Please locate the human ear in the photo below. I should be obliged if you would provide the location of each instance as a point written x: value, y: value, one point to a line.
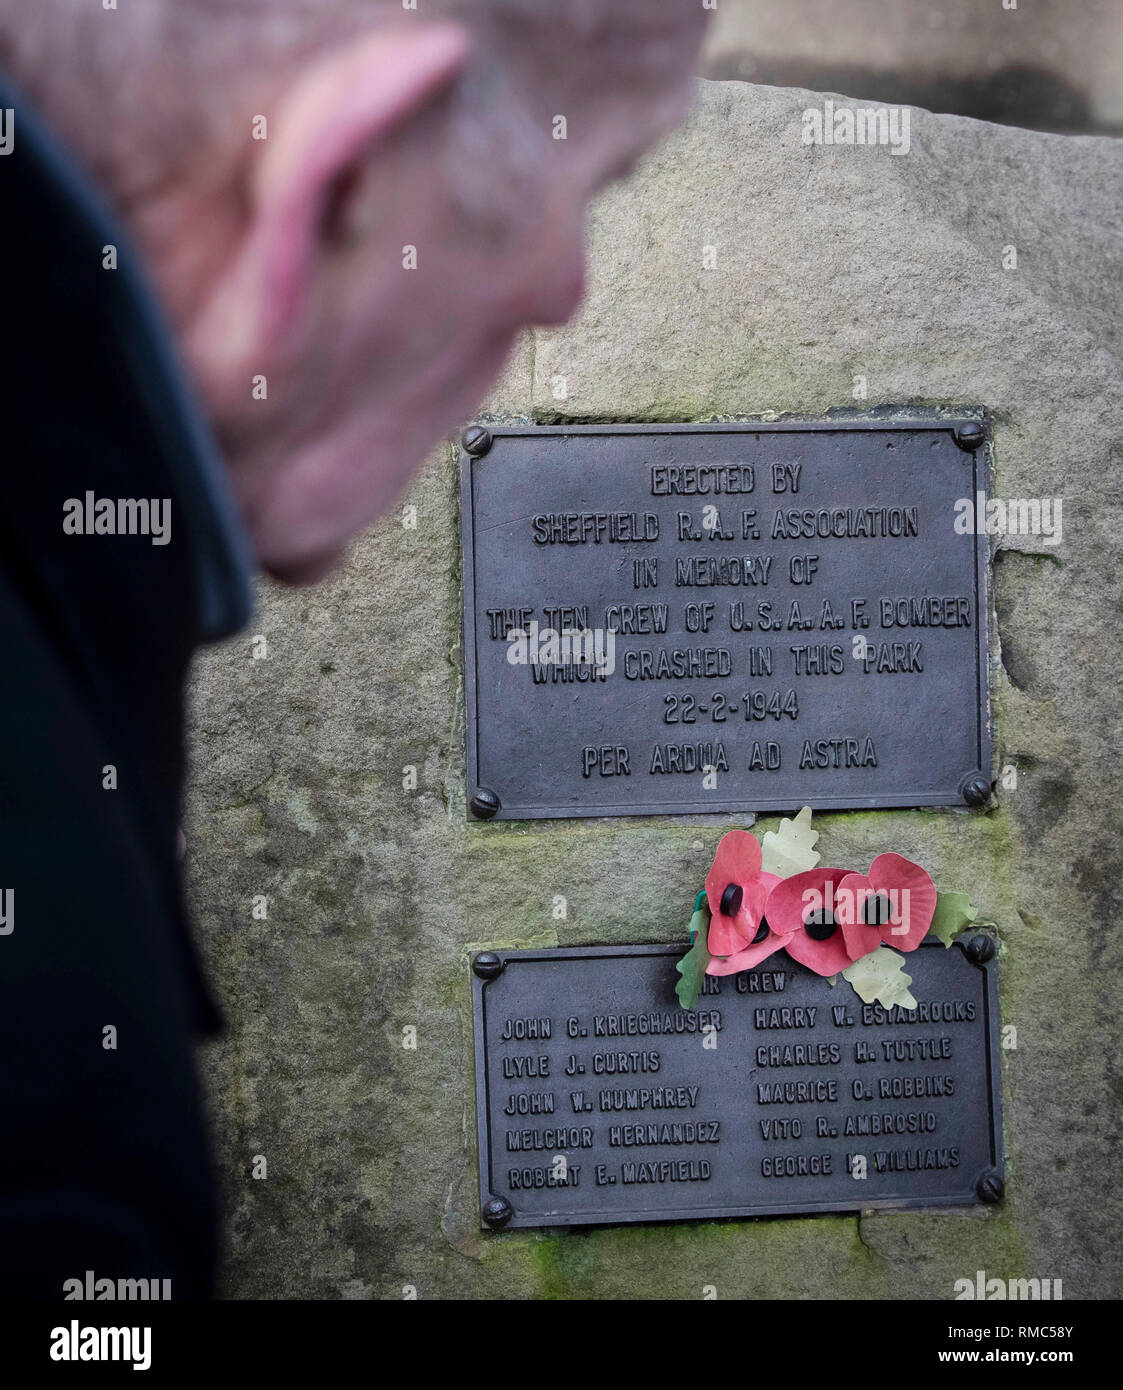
x: 321, y: 127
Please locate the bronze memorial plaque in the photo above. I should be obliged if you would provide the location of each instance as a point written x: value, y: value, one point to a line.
x: 697, y: 618
x: 600, y: 1100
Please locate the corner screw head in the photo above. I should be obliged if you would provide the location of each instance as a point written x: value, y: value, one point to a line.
x: 980, y: 948
x: 497, y: 1212
x: 476, y: 441
x: 976, y: 791
x: 991, y: 1187
x: 487, y: 965
x: 970, y: 436
x: 484, y: 804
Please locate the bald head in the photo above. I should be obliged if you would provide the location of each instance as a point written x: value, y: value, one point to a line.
x: 161, y: 75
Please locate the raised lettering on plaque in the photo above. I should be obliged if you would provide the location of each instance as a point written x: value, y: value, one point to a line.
x: 682, y: 619
x: 600, y: 1100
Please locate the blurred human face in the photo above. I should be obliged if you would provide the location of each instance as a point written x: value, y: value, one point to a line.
x: 391, y: 356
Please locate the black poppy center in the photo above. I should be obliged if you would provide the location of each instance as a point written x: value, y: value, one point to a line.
x: 731, y: 899
x: 877, y: 910
x: 761, y: 931
x: 821, y: 926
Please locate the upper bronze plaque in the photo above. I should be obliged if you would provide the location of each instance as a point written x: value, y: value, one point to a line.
x: 694, y: 618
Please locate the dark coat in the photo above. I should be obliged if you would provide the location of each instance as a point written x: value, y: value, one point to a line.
x: 104, y: 1163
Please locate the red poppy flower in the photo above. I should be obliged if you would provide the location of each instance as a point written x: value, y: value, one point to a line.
x: 801, y: 909
x: 737, y: 890
x: 894, y: 903
x: 764, y: 941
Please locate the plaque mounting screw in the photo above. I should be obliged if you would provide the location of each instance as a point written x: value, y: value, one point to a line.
x: 484, y: 804
x: 970, y: 436
x: 476, y: 441
x: 498, y: 1212
x: 991, y: 1187
x: 980, y: 948
x: 976, y: 791
x: 487, y: 965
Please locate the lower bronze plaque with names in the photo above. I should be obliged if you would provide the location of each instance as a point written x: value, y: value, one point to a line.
x: 696, y: 618
x: 600, y: 1100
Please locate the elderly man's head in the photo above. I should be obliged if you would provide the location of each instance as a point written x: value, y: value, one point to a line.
x: 360, y: 201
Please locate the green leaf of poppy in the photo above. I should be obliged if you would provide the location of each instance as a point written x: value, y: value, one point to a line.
x: 692, y: 967
x: 880, y: 976
x: 953, y: 914
x: 791, y: 849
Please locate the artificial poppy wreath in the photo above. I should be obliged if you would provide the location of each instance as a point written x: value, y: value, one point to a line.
x: 763, y: 898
